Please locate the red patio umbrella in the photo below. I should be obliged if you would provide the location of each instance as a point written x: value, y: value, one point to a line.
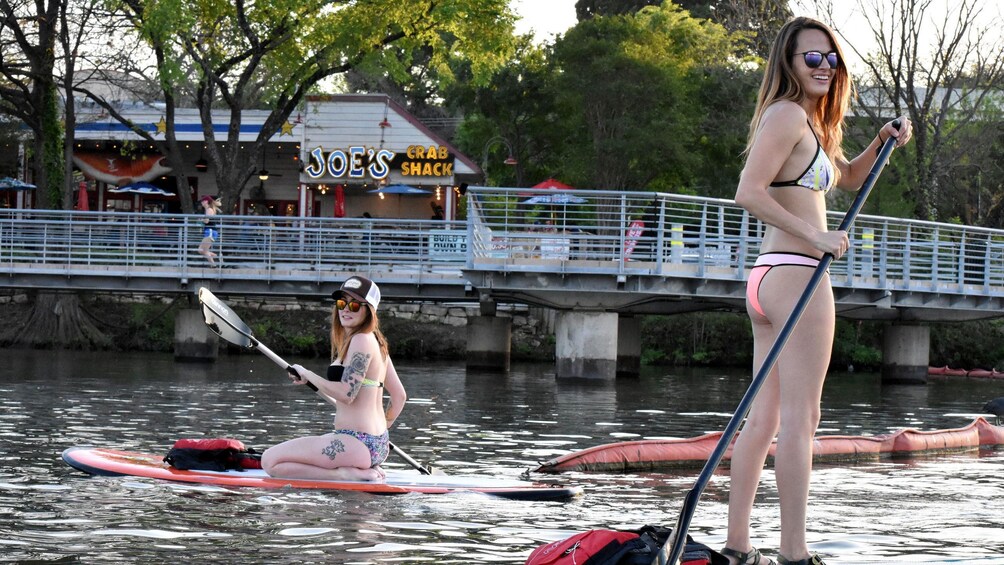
x: 82, y: 204
x: 553, y: 183
x: 549, y: 184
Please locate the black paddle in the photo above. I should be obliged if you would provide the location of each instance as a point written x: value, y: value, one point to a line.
x: 234, y: 330
x: 673, y: 548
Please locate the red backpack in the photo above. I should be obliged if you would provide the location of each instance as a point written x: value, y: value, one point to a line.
x: 611, y: 547
x: 212, y: 455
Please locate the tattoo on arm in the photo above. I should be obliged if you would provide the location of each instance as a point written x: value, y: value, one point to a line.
x: 355, y: 372
x: 389, y: 410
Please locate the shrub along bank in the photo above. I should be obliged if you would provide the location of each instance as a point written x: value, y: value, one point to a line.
x: 418, y: 332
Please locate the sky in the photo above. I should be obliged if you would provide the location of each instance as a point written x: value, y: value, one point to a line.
x: 544, y: 18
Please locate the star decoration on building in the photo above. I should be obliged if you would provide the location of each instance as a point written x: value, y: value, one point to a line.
x: 161, y: 126
x: 286, y: 128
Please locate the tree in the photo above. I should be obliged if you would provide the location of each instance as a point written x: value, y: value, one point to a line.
x: 29, y: 91
x: 946, y: 74
x: 516, y: 111
x: 269, y: 55
x: 633, y: 84
x: 758, y: 20
x: 36, y: 36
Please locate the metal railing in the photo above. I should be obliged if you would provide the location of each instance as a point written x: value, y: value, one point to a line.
x: 677, y: 235
x: 138, y: 244
x: 558, y: 232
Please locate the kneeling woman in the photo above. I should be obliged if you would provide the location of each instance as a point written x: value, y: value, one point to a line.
x: 360, y: 371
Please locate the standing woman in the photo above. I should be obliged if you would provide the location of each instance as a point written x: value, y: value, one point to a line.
x: 794, y: 157
x: 360, y: 371
x: 210, y: 231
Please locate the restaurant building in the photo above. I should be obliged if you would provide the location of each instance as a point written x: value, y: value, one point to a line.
x: 341, y: 156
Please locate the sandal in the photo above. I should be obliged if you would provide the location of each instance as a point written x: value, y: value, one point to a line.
x: 814, y: 560
x: 751, y: 557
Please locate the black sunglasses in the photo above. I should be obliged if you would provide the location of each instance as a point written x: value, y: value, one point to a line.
x: 352, y: 305
x: 813, y: 59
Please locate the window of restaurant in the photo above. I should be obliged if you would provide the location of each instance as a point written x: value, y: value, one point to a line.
x: 286, y: 208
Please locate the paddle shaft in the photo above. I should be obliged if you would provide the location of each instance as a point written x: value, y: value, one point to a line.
x: 289, y: 368
x: 673, y: 548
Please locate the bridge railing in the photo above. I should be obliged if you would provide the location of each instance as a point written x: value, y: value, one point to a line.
x: 589, y: 232
x: 135, y: 244
x: 662, y: 234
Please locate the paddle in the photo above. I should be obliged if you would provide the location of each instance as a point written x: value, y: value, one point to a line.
x: 671, y: 550
x: 234, y: 330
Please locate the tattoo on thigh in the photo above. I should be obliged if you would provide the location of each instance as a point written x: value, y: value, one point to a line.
x: 333, y: 449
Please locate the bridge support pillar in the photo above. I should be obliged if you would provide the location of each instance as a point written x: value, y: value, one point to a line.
x: 586, y: 345
x: 489, y: 343
x: 628, y: 346
x: 906, y: 354
x: 193, y: 340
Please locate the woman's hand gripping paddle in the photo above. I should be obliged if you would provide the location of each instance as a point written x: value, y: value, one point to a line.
x: 673, y: 548
x: 228, y: 325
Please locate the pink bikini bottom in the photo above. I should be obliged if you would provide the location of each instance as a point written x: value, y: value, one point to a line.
x: 766, y: 262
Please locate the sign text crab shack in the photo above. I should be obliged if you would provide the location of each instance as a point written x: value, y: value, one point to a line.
x: 360, y: 162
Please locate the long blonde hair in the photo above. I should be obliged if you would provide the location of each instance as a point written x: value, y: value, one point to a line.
x: 780, y: 83
x: 341, y: 337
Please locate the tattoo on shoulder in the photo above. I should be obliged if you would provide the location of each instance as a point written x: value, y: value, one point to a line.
x: 355, y: 372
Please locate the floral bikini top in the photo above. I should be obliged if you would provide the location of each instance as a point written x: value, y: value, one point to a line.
x: 818, y: 176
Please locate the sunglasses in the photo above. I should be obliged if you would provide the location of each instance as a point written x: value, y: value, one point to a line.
x: 352, y: 305
x: 813, y: 59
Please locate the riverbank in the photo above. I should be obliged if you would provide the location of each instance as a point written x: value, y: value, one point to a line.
x: 293, y: 327
x: 438, y: 332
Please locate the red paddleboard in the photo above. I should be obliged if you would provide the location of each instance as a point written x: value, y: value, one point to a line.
x: 101, y: 461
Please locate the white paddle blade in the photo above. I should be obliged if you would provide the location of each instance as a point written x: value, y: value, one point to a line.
x: 223, y: 321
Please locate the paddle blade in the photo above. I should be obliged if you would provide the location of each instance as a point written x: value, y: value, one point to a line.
x: 222, y: 320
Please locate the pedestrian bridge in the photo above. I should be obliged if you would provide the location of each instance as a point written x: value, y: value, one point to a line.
x: 620, y: 252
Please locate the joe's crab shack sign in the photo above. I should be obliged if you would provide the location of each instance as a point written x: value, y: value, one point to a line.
x: 361, y: 162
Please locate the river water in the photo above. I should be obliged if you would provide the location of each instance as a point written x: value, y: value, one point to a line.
x: 945, y: 509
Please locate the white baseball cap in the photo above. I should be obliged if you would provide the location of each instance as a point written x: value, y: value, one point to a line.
x: 360, y: 288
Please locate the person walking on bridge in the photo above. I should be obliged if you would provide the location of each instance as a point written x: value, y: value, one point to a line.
x: 793, y: 158
x: 211, y: 229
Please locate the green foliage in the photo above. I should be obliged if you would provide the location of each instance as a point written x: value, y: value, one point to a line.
x: 268, y: 55
x: 150, y: 327
x: 705, y: 338
x: 516, y: 111
x: 968, y: 345
x: 52, y: 147
x: 633, y: 89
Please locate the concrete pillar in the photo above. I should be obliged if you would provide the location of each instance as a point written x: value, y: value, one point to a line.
x: 586, y: 345
x: 489, y: 343
x: 628, y: 346
x: 193, y: 340
x: 906, y: 354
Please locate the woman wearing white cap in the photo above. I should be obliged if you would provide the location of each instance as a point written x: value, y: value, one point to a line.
x: 360, y: 371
